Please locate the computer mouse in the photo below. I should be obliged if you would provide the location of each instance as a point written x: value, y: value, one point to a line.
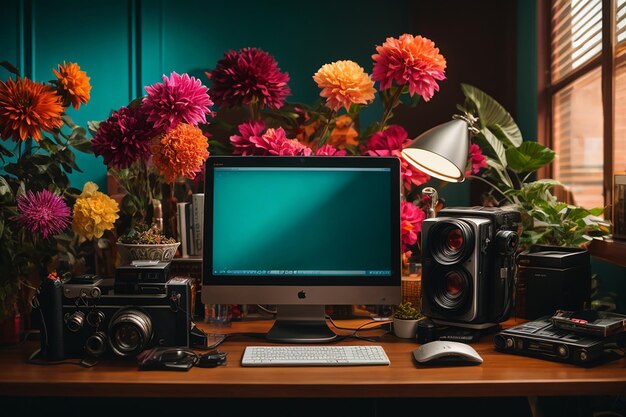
x: 441, y: 352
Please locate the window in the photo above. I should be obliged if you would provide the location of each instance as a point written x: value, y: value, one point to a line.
x: 584, y: 86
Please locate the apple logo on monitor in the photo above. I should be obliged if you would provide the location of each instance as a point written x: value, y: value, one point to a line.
x: 302, y: 295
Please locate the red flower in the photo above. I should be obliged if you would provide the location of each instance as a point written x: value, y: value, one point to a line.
x: 250, y: 134
x: 477, y: 160
x: 411, y: 218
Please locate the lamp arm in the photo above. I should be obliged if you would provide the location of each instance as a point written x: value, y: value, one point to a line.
x: 434, y: 200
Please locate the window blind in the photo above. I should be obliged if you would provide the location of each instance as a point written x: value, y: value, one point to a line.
x: 576, y: 34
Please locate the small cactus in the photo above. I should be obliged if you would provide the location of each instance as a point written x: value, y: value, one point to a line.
x: 406, y: 311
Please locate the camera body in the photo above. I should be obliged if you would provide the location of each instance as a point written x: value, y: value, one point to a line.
x: 468, y: 265
x: 86, y: 319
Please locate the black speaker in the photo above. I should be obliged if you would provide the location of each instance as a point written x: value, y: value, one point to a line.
x: 551, y: 278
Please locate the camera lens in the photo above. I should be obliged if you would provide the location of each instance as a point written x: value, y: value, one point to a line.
x: 95, y: 317
x: 455, y: 239
x: 506, y: 242
x: 130, y: 331
x: 75, y: 321
x: 96, y: 344
x: 452, y: 291
x: 451, y: 241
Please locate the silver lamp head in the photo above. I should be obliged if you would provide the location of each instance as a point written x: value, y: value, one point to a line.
x: 441, y: 151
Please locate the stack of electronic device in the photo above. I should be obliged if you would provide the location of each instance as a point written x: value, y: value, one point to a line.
x: 581, y: 338
x: 142, y: 277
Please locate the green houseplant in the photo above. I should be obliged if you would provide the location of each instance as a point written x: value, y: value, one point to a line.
x: 511, y: 169
x: 146, y: 243
x: 405, y: 320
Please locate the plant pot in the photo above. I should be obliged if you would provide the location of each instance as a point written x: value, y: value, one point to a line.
x: 405, y: 329
x: 155, y: 252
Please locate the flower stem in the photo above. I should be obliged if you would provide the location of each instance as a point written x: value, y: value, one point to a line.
x: 323, y: 137
x: 489, y: 183
x: 395, y: 99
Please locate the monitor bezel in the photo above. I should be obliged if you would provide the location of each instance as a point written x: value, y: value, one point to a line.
x: 393, y: 163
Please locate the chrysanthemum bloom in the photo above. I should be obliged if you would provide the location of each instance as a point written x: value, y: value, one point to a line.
x: 124, y: 137
x: 179, y: 98
x: 27, y: 108
x: 275, y: 142
x: 344, y: 134
x: 390, y: 142
x: 409, y: 60
x: 411, y: 218
x: 94, y: 212
x: 476, y: 159
x: 329, y: 150
x: 42, y: 213
x: 250, y: 134
x: 249, y: 75
x: 73, y: 83
x: 343, y: 84
x: 180, y: 152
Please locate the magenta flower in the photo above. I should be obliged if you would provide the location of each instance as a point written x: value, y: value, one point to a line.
x: 477, y: 160
x: 390, y: 142
x: 247, y: 76
x: 329, y: 150
x: 124, y: 137
x: 411, y: 218
x: 179, y: 98
x: 42, y: 213
x: 250, y: 134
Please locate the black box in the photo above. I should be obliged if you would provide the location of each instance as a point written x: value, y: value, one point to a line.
x: 551, y: 278
x: 143, y: 279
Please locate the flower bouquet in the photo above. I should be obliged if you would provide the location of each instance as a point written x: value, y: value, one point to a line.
x: 37, y: 152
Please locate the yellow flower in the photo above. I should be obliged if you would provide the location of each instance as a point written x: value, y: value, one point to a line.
x: 344, y: 83
x: 94, y: 212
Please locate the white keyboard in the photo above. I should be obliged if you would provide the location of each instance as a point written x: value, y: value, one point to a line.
x: 314, y: 356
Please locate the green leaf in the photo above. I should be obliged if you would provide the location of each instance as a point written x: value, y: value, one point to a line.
x: 83, y: 145
x: 499, y: 169
x: 528, y: 157
x: 491, y: 114
x: 48, y: 145
x: 93, y: 126
x: 495, y: 144
x: 10, y: 67
x: 68, y: 121
x: 5, y: 188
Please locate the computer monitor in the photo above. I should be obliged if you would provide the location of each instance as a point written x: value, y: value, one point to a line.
x: 302, y: 233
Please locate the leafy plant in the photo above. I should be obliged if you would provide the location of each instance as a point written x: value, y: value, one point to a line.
x: 144, y: 235
x: 511, y: 166
x: 406, y: 311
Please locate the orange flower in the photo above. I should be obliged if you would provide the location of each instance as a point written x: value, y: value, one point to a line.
x: 344, y: 83
x: 344, y: 134
x: 73, y: 83
x: 180, y: 152
x: 27, y: 107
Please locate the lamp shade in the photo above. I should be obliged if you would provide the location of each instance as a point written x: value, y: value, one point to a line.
x: 441, y: 151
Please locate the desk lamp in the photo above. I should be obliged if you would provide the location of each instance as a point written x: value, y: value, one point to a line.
x: 442, y: 153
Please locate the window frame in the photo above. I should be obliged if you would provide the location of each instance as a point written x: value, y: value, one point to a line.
x: 547, y: 89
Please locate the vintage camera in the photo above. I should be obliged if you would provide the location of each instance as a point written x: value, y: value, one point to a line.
x: 468, y: 265
x: 84, y: 318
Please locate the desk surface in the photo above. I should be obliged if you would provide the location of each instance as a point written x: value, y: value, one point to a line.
x: 500, y: 375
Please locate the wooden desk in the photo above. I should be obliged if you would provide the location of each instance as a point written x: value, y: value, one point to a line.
x: 501, y: 375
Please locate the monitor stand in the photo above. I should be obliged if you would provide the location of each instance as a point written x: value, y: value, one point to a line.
x: 300, y: 324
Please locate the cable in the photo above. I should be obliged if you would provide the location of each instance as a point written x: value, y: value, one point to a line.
x: 85, y: 362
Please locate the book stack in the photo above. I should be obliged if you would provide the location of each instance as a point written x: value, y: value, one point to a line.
x: 190, y: 218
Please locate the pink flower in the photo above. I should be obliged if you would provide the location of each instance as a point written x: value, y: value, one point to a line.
x: 411, y: 218
x: 180, y: 98
x: 124, y: 137
x: 328, y: 150
x: 42, y: 213
x: 250, y: 134
x: 246, y: 76
x: 390, y: 142
x: 477, y: 160
x: 409, y: 60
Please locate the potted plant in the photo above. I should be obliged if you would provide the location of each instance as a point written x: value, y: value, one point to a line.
x: 405, y: 320
x: 146, y: 243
